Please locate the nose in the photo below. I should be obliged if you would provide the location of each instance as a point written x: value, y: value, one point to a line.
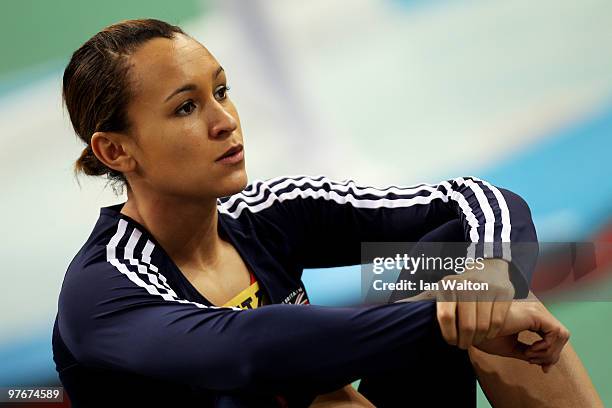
x: 222, y: 122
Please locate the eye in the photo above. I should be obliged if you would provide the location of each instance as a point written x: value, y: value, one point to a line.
x: 186, y: 108
x: 221, y: 92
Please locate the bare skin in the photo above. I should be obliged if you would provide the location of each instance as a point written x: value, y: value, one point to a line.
x: 522, y: 316
x: 468, y: 317
x: 518, y: 382
x: 512, y: 383
x: 509, y: 382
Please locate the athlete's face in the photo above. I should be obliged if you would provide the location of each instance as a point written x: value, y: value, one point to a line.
x: 182, y: 121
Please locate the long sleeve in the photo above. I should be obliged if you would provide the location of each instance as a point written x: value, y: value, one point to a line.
x: 112, y: 315
x: 326, y: 221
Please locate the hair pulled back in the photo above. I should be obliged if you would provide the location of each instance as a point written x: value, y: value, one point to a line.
x: 96, y: 86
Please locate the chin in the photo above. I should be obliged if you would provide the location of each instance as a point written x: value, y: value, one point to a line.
x: 233, y: 183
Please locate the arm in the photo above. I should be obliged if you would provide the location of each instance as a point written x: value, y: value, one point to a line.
x: 108, y: 321
x: 324, y: 222
x: 110, y: 318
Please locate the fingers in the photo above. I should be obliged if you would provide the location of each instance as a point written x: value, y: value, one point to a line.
x: 519, y: 349
x: 499, y: 311
x: 447, y: 318
x: 483, y: 320
x: 539, y: 345
x: 548, y: 350
x: 544, y: 366
x: 522, y: 316
x: 481, y: 316
x: 467, y: 323
x: 506, y: 346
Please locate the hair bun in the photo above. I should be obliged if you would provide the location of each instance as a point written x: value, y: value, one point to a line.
x: 89, y: 164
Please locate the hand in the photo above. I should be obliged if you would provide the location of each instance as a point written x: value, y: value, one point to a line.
x: 533, y: 316
x: 469, y: 317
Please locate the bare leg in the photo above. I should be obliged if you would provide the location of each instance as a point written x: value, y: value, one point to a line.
x: 346, y: 397
x: 509, y: 382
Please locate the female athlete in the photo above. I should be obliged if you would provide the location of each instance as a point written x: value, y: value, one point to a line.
x: 190, y: 292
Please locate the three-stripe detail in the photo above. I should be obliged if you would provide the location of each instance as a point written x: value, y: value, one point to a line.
x: 495, y: 214
x: 137, y: 267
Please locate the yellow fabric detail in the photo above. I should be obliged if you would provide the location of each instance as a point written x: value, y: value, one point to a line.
x: 249, y: 298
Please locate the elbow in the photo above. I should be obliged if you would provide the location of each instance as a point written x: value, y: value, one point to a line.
x: 521, y: 218
x: 517, y: 201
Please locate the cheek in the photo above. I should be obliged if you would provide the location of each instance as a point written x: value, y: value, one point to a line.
x: 184, y: 142
x: 175, y: 150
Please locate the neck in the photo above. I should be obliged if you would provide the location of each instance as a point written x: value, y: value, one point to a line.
x: 187, y: 230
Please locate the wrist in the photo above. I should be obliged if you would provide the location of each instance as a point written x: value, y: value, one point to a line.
x: 521, y: 316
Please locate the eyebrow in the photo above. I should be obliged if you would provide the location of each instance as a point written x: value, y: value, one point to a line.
x: 191, y: 86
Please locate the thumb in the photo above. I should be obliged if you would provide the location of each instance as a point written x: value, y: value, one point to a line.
x: 506, y: 346
x: 519, y: 349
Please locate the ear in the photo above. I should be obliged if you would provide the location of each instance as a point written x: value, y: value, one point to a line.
x: 110, y: 149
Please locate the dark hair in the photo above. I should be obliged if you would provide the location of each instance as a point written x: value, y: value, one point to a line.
x: 96, y: 88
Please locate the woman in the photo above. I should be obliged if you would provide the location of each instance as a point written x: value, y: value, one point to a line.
x: 152, y: 308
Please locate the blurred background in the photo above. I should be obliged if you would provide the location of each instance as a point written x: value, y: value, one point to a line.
x: 383, y: 92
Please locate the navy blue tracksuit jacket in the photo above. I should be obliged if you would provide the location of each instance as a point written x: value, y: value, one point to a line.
x: 131, y: 328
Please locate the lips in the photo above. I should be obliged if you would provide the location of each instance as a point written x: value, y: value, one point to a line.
x: 231, y: 151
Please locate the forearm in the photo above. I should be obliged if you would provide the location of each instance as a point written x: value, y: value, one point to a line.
x: 333, y: 347
x: 277, y: 348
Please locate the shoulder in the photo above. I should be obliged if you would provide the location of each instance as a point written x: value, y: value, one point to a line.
x: 118, y: 259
